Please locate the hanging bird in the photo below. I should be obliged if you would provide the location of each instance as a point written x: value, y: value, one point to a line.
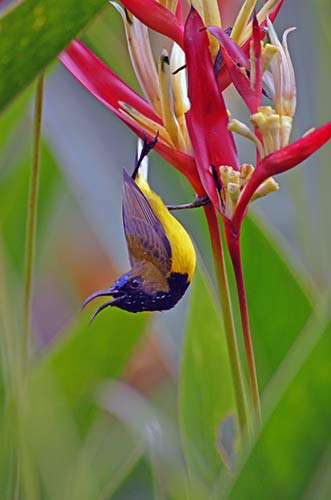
x: 161, y: 253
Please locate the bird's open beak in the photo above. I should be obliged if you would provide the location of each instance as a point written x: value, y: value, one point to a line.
x: 110, y: 292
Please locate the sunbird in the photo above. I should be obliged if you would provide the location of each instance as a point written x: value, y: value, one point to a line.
x: 161, y: 253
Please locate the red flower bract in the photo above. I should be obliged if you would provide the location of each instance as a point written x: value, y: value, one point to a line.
x: 280, y: 161
x: 157, y: 17
x: 207, y: 119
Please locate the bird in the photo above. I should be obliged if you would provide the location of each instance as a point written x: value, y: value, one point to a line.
x: 161, y: 252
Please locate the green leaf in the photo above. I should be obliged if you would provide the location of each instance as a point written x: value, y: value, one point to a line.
x: 156, y: 433
x: 206, y: 392
x: 33, y: 34
x: 279, y: 305
x: 88, y: 354
x: 14, y: 188
x: 63, y: 395
x: 293, y: 450
x: 69, y: 465
x: 11, y: 124
x: 7, y: 350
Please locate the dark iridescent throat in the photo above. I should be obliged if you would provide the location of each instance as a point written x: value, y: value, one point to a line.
x: 159, y: 301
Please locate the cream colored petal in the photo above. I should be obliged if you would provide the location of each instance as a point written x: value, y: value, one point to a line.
x: 276, y: 68
x: 261, y: 16
x: 142, y: 59
x: 269, y: 81
x: 181, y: 101
x: 242, y: 129
x: 242, y: 19
x: 169, y: 4
x: 211, y: 17
x: 167, y: 105
x: 267, y: 187
x: 179, y: 81
x: 283, y: 74
x: 197, y: 4
x: 290, y: 75
x: 268, y: 53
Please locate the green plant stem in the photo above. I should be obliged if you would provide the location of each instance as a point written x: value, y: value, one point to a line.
x: 223, y: 288
x: 23, y: 481
x: 233, y: 240
x: 32, y: 222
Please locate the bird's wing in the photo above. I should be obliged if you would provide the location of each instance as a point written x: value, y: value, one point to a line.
x: 145, y: 236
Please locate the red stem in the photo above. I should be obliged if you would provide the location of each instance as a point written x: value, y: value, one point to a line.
x: 224, y: 294
x: 233, y: 241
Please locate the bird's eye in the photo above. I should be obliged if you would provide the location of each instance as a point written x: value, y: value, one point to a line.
x: 135, y: 282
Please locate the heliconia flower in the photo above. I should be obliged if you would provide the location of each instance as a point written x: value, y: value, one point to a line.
x: 184, y: 104
x: 163, y: 112
x: 272, y: 124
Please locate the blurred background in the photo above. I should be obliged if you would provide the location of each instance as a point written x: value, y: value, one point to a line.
x: 80, y: 243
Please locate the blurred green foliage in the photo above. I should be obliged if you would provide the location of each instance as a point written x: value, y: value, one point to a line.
x: 32, y: 34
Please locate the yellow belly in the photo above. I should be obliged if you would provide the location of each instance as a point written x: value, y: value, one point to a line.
x: 183, y: 253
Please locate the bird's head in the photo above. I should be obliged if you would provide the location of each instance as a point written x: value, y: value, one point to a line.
x: 141, y: 289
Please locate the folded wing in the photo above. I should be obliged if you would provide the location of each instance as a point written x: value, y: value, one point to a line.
x: 145, y: 236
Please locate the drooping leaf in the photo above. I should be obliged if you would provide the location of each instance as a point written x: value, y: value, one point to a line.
x: 33, y: 34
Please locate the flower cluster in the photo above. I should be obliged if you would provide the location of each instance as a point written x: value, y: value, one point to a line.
x: 184, y: 101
